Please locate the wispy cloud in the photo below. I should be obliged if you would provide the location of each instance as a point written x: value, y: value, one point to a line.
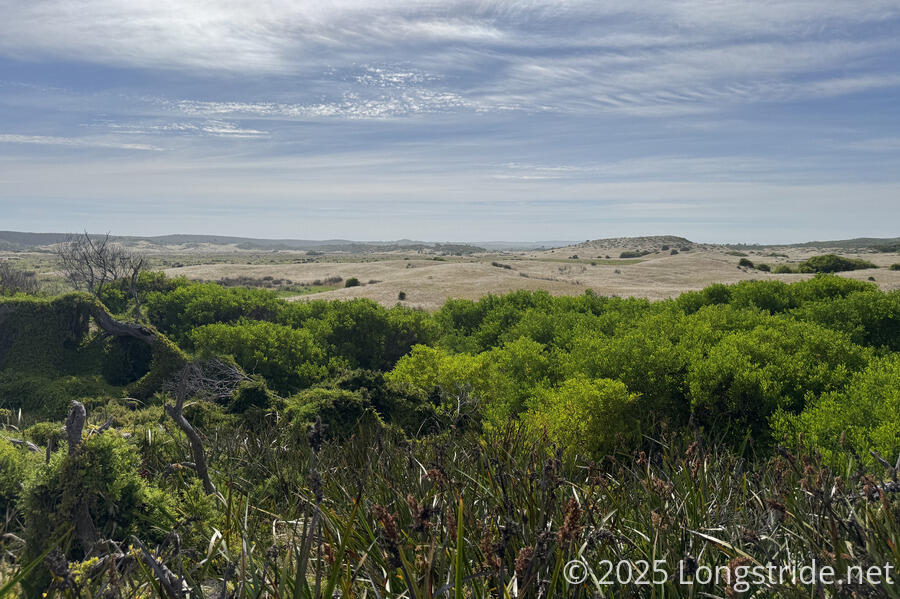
x: 490, y: 110
x: 74, y: 142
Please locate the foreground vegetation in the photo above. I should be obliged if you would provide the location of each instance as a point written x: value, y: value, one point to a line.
x: 470, y: 452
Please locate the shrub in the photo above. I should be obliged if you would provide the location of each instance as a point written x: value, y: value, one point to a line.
x: 251, y: 394
x: 401, y: 296
x: 100, y: 479
x: 833, y: 263
x: 289, y: 359
x: 750, y: 375
x: 745, y: 262
x: 351, y: 282
x: 14, y: 463
x: 763, y: 267
x: 895, y: 266
x: 342, y: 412
x: 673, y: 252
x: 587, y: 417
x: 182, y: 310
x: 863, y: 416
x: 633, y: 253
x: 783, y: 269
x: 43, y: 433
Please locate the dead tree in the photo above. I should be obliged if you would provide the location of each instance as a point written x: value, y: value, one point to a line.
x: 84, y: 524
x: 90, y: 263
x: 209, y: 379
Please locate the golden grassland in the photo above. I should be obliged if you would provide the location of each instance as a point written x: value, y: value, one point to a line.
x: 427, y: 283
x: 428, y: 280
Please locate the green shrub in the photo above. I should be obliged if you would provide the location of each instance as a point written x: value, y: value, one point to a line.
x: 342, y: 412
x: 763, y: 267
x: 750, y: 375
x: 864, y: 417
x: 351, y: 282
x: 43, y: 433
x: 289, y: 359
x: 102, y: 478
x: 895, y: 266
x: 49, y: 396
x: 633, y: 253
x: 833, y: 263
x: 401, y: 296
x: 745, y: 262
x: 587, y: 417
x: 784, y: 269
x: 15, y: 463
x: 251, y: 394
x: 870, y: 317
x: 178, y: 312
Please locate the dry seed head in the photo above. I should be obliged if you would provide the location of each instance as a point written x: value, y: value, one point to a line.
x: 523, y: 561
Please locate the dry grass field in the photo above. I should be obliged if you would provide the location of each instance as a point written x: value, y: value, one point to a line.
x: 428, y: 281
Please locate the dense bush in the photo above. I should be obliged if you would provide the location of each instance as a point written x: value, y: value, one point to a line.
x: 633, y: 253
x: 177, y: 313
x: 833, y: 263
x: 100, y: 480
x: 289, y: 359
x: 861, y: 418
x: 14, y: 465
x: 587, y: 417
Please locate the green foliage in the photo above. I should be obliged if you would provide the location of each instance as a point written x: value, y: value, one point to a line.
x: 39, y: 334
x: 101, y: 478
x: 179, y: 312
x: 251, y: 394
x: 833, y: 263
x: 589, y: 417
x: 117, y: 295
x: 288, y: 358
x: 862, y: 417
x: 895, y: 266
x: 167, y: 360
x: 43, y: 433
x: 342, y: 412
x: 48, y: 395
x: 784, y: 365
x: 784, y: 269
x: 870, y: 317
x: 368, y: 336
x: 763, y: 267
x: 14, y: 464
x: 746, y: 263
x: 351, y: 282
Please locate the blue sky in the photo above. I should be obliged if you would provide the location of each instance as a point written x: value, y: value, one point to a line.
x: 719, y: 120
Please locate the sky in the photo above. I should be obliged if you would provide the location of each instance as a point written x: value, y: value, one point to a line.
x: 453, y: 120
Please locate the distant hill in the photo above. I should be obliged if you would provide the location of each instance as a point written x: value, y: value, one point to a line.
x: 19, y: 241
x: 15, y: 240
x: 879, y: 243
